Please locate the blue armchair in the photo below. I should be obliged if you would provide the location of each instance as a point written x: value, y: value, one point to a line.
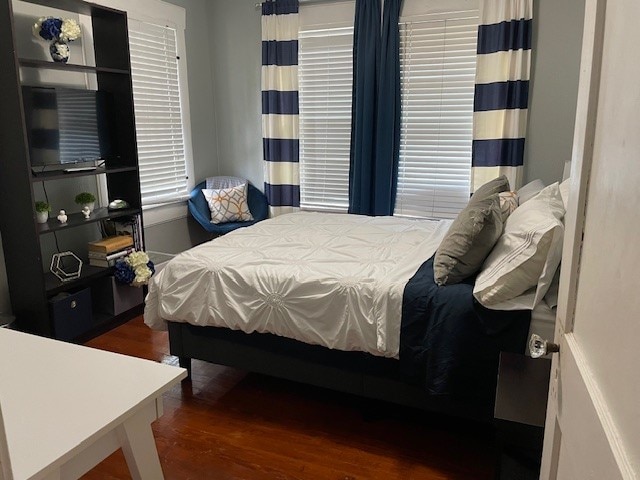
x: 199, y: 210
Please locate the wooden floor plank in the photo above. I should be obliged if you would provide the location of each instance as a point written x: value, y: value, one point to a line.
x: 227, y: 424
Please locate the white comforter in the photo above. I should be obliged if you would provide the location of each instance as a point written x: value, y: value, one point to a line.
x: 329, y: 279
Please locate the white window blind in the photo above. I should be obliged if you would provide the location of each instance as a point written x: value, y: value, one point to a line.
x: 158, y: 111
x: 437, y: 64
x: 325, y: 66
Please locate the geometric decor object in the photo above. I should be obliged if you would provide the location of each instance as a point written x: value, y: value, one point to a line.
x: 66, y: 266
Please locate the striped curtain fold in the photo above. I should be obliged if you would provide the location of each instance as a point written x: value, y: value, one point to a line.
x: 280, y: 137
x: 502, y: 91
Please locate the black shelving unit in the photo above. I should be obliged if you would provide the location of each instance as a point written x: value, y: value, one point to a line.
x: 77, y: 219
x: 69, y: 67
x: 39, y: 176
x: 30, y: 287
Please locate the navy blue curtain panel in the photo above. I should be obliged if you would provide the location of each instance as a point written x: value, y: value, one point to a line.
x: 387, y: 152
x: 366, y: 47
x: 375, y: 121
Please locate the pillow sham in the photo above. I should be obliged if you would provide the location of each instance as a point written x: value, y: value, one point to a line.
x: 228, y: 204
x: 526, y: 256
x: 530, y: 190
x: 472, y: 235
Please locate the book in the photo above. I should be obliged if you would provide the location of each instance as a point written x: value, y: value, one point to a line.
x: 111, y: 244
x: 96, y: 262
x: 111, y: 256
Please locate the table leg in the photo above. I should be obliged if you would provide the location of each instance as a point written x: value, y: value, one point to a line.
x: 139, y: 447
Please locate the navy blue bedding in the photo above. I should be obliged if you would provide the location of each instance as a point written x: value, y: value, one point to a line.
x: 449, y: 343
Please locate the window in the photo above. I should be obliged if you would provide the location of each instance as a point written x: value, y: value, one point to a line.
x: 437, y: 62
x: 159, y: 113
x: 437, y: 70
x: 146, y: 20
x: 325, y: 73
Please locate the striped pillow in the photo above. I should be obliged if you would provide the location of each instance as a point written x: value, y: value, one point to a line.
x: 228, y: 204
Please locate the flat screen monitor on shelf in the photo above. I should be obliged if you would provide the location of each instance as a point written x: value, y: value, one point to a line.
x: 67, y: 126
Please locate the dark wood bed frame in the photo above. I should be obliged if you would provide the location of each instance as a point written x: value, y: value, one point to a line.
x: 351, y: 372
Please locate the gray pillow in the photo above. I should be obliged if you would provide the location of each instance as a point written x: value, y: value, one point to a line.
x: 472, y: 235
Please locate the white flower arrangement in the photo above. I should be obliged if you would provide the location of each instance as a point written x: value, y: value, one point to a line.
x: 135, y: 269
x: 70, y: 30
x: 53, y: 28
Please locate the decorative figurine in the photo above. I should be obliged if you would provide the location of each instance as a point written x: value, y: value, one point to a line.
x: 86, y: 211
x: 62, y: 217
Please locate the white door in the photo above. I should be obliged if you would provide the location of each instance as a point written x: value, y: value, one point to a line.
x: 593, y: 419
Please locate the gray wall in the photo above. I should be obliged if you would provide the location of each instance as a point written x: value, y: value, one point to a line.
x: 236, y: 58
x: 553, y: 90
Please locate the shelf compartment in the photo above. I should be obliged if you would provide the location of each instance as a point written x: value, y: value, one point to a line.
x: 71, y: 67
x: 89, y: 274
x: 59, y: 174
x: 77, y: 219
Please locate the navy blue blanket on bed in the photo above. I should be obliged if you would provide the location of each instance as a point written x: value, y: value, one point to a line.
x: 449, y: 343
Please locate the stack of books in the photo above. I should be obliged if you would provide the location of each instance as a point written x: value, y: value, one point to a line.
x: 105, y: 252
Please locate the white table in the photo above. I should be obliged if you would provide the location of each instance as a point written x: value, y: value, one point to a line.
x: 67, y: 407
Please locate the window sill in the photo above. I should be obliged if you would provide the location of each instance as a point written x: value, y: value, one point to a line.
x: 164, y: 212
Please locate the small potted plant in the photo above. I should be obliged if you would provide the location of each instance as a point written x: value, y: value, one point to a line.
x: 42, y: 212
x: 86, y: 199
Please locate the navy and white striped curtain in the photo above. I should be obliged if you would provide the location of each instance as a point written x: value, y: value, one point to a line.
x: 280, y: 139
x: 502, y: 91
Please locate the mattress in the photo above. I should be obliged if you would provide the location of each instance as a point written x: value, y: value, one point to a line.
x: 334, y: 280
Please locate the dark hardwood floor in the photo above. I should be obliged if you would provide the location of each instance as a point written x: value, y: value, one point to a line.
x: 227, y: 424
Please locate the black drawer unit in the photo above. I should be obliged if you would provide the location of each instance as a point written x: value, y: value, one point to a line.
x: 71, y: 314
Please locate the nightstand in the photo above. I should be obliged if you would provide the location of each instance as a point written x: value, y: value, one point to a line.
x: 520, y: 410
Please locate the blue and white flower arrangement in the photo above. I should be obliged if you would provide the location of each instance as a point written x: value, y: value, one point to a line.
x: 59, y: 31
x: 53, y: 28
x: 135, y: 269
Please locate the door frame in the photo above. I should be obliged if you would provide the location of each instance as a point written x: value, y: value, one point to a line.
x: 584, y: 390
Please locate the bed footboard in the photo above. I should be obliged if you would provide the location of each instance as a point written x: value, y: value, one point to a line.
x: 350, y: 372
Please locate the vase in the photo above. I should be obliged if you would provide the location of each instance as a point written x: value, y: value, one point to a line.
x: 42, y: 217
x: 59, y: 51
x: 91, y: 206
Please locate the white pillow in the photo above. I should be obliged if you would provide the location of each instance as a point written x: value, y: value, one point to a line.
x: 530, y: 190
x: 228, y: 204
x: 518, y: 271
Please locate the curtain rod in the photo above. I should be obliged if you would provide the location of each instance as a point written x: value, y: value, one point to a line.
x: 308, y: 2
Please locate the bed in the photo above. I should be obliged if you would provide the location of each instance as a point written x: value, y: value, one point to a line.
x: 341, y: 301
